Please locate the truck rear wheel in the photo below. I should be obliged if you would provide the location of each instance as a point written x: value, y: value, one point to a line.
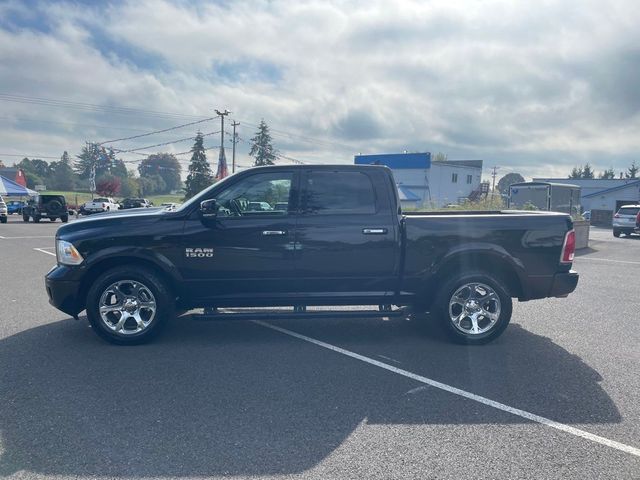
x: 474, y: 308
x: 25, y: 218
x: 36, y: 218
x: 129, y: 305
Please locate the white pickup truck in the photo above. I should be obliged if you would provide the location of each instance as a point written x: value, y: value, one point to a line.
x: 99, y: 205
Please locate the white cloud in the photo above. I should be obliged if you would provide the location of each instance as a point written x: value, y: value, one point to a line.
x: 535, y: 86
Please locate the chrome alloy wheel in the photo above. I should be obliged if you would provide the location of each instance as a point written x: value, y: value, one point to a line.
x: 127, y: 307
x: 474, y: 308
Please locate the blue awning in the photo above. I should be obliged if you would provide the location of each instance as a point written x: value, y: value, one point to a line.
x: 9, y: 188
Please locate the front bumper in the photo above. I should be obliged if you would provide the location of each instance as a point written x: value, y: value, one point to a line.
x: 63, y: 289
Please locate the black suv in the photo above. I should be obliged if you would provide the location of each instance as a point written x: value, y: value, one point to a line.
x: 135, y: 203
x: 46, y: 206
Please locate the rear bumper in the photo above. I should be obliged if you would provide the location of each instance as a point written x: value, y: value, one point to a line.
x: 563, y: 284
x: 558, y: 285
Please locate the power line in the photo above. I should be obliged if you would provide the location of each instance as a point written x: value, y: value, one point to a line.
x: 162, y: 144
x: 157, y: 131
x: 36, y: 157
x: 51, y: 102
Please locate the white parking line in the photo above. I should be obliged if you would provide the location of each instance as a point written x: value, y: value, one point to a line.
x: 462, y: 393
x: 42, y: 250
x: 607, y: 260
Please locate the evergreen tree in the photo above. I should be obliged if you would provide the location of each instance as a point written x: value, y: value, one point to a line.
x: 104, y: 160
x: 200, y: 176
x: 62, y: 177
x: 576, y: 172
x: 607, y: 174
x: 261, y: 148
x: 587, y: 171
x: 632, y: 171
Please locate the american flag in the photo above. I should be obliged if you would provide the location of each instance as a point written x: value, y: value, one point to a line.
x: 222, y: 166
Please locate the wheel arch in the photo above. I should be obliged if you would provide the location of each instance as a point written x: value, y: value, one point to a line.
x: 104, y: 264
x: 502, y: 267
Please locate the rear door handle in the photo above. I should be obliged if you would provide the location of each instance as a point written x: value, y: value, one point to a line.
x: 374, y: 231
x: 269, y: 233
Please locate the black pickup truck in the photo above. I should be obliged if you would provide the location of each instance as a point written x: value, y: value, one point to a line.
x: 324, y: 235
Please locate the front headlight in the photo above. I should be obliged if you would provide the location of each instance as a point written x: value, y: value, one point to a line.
x: 67, y: 254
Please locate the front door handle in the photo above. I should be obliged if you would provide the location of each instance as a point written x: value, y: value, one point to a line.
x: 374, y: 231
x: 269, y: 233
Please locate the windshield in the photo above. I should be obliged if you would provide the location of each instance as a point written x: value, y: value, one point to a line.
x: 629, y: 211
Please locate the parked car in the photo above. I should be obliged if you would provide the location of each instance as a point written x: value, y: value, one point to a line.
x: 587, y: 215
x: 100, y: 205
x: 134, y: 203
x: 15, y: 206
x: 259, y: 207
x: 342, y: 241
x: 46, y: 206
x: 624, y: 221
x: 3, y: 211
x: 169, y: 205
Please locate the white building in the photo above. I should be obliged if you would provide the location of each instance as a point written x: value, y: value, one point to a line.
x: 423, y: 182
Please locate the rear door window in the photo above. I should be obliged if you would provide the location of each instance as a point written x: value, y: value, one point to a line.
x: 629, y: 211
x: 339, y: 192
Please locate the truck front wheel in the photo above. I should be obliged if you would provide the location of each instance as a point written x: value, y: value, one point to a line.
x: 473, y: 308
x: 129, y: 305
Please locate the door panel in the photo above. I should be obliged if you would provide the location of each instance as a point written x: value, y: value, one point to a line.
x: 248, y: 249
x: 346, y: 239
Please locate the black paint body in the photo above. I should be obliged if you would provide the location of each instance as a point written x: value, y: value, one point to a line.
x: 384, y: 257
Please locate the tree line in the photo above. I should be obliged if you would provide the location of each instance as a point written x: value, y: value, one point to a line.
x: 157, y: 174
x: 587, y: 172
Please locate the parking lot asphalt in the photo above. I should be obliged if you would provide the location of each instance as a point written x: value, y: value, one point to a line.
x: 337, y: 398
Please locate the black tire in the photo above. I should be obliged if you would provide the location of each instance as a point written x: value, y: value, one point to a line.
x: 64, y: 218
x: 165, y: 303
x: 36, y: 218
x: 53, y: 219
x: 616, y: 233
x: 25, y: 218
x: 441, y: 308
x: 3, y: 219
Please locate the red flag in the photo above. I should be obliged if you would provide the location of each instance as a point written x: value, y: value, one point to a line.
x: 222, y: 166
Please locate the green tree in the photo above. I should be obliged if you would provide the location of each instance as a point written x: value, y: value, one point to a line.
x: 62, y: 177
x: 632, y: 171
x: 261, y: 148
x: 200, y: 176
x: 576, y: 172
x: 509, y: 179
x: 33, y: 170
x: 104, y: 160
x: 587, y: 171
x: 164, y: 164
x: 152, y: 184
x: 607, y: 174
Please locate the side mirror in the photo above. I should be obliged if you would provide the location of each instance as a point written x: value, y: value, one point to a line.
x: 209, y: 208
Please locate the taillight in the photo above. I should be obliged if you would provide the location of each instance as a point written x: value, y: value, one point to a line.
x: 569, y: 247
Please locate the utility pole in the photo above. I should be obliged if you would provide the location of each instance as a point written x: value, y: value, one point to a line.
x: 493, y: 174
x: 235, y: 140
x: 222, y: 115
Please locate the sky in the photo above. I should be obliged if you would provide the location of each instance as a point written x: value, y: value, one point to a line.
x: 535, y: 87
